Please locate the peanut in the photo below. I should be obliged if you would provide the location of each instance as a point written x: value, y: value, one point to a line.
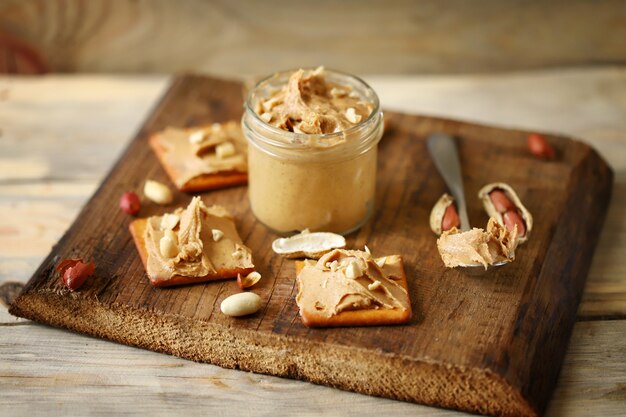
x: 224, y: 150
x: 500, y: 201
x: 352, y: 116
x: 512, y: 218
x: 169, y: 221
x: 539, y: 147
x: 168, y: 244
x: 129, y: 203
x: 74, y: 272
x: 353, y: 270
x: 450, y: 218
x: 158, y: 192
x: 217, y: 234
x: 241, y: 304
x: 248, y: 280
x: 374, y: 285
x: 197, y: 136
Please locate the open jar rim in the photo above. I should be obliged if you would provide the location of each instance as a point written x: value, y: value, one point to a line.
x: 326, y: 141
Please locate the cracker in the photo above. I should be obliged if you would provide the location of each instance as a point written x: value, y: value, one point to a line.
x: 137, y: 230
x: 198, y: 181
x: 365, y: 317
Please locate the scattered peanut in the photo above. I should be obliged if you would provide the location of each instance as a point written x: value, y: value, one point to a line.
x: 129, y: 203
x: 74, y: 272
x: 157, y: 192
x: 249, y: 280
x: 241, y: 304
x: 539, y: 147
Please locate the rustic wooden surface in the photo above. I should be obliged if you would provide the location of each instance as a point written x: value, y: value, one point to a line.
x: 602, y: 392
x: 366, y: 37
x: 516, y: 324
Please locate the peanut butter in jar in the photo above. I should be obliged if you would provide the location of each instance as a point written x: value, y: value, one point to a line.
x: 313, y: 137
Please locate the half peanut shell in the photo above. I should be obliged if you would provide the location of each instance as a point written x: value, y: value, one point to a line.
x: 438, y: 211
x: 483, y: 194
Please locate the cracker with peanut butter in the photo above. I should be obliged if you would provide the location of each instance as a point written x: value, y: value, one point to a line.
x: 351, y: 288
x: 191, y: 245
x: 203, y: 158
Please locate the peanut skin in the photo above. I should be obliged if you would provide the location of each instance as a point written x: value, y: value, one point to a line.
x: 129, y: 203
x: 500, y: 201
x: 539, y: 147
x: 74, y: 272
x: 450, y: 218
x: 512, y: 218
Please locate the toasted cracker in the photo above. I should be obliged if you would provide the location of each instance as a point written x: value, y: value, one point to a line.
x: 203, y: 182
x: 137, y: 230
x: 365, y: 317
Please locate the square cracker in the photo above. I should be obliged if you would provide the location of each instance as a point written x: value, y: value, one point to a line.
x: 203, y: 182
x: 137, y: 230
x: 365, y: 317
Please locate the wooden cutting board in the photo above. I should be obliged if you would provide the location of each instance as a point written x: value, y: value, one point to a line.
x: 492, y: 344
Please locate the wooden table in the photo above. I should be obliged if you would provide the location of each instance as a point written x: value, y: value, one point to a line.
x: 59, y: 135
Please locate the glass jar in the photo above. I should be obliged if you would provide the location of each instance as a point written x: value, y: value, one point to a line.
x: 300, y: 181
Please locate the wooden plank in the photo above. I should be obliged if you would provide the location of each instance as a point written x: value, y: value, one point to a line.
x: 503, y: 339
x: 69, y: 374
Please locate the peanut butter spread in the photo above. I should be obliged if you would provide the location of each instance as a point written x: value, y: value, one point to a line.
x: 309, y: 104
x: 205, y: 242
x: 344, y: 280
x: 478, y: 246
x: 208, y: 150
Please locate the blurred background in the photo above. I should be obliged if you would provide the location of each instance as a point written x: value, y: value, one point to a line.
x: 240, y: 38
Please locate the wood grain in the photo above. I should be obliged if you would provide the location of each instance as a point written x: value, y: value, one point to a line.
x: 365, y: 37
x: 70, y: 374
x: 503, y: 340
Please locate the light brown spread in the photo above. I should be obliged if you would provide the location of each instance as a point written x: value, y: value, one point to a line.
x: 194, y: 153
x: 344, y: 280
x: 309, y: 104
x: 199, y: 253
x: 478, y: 246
